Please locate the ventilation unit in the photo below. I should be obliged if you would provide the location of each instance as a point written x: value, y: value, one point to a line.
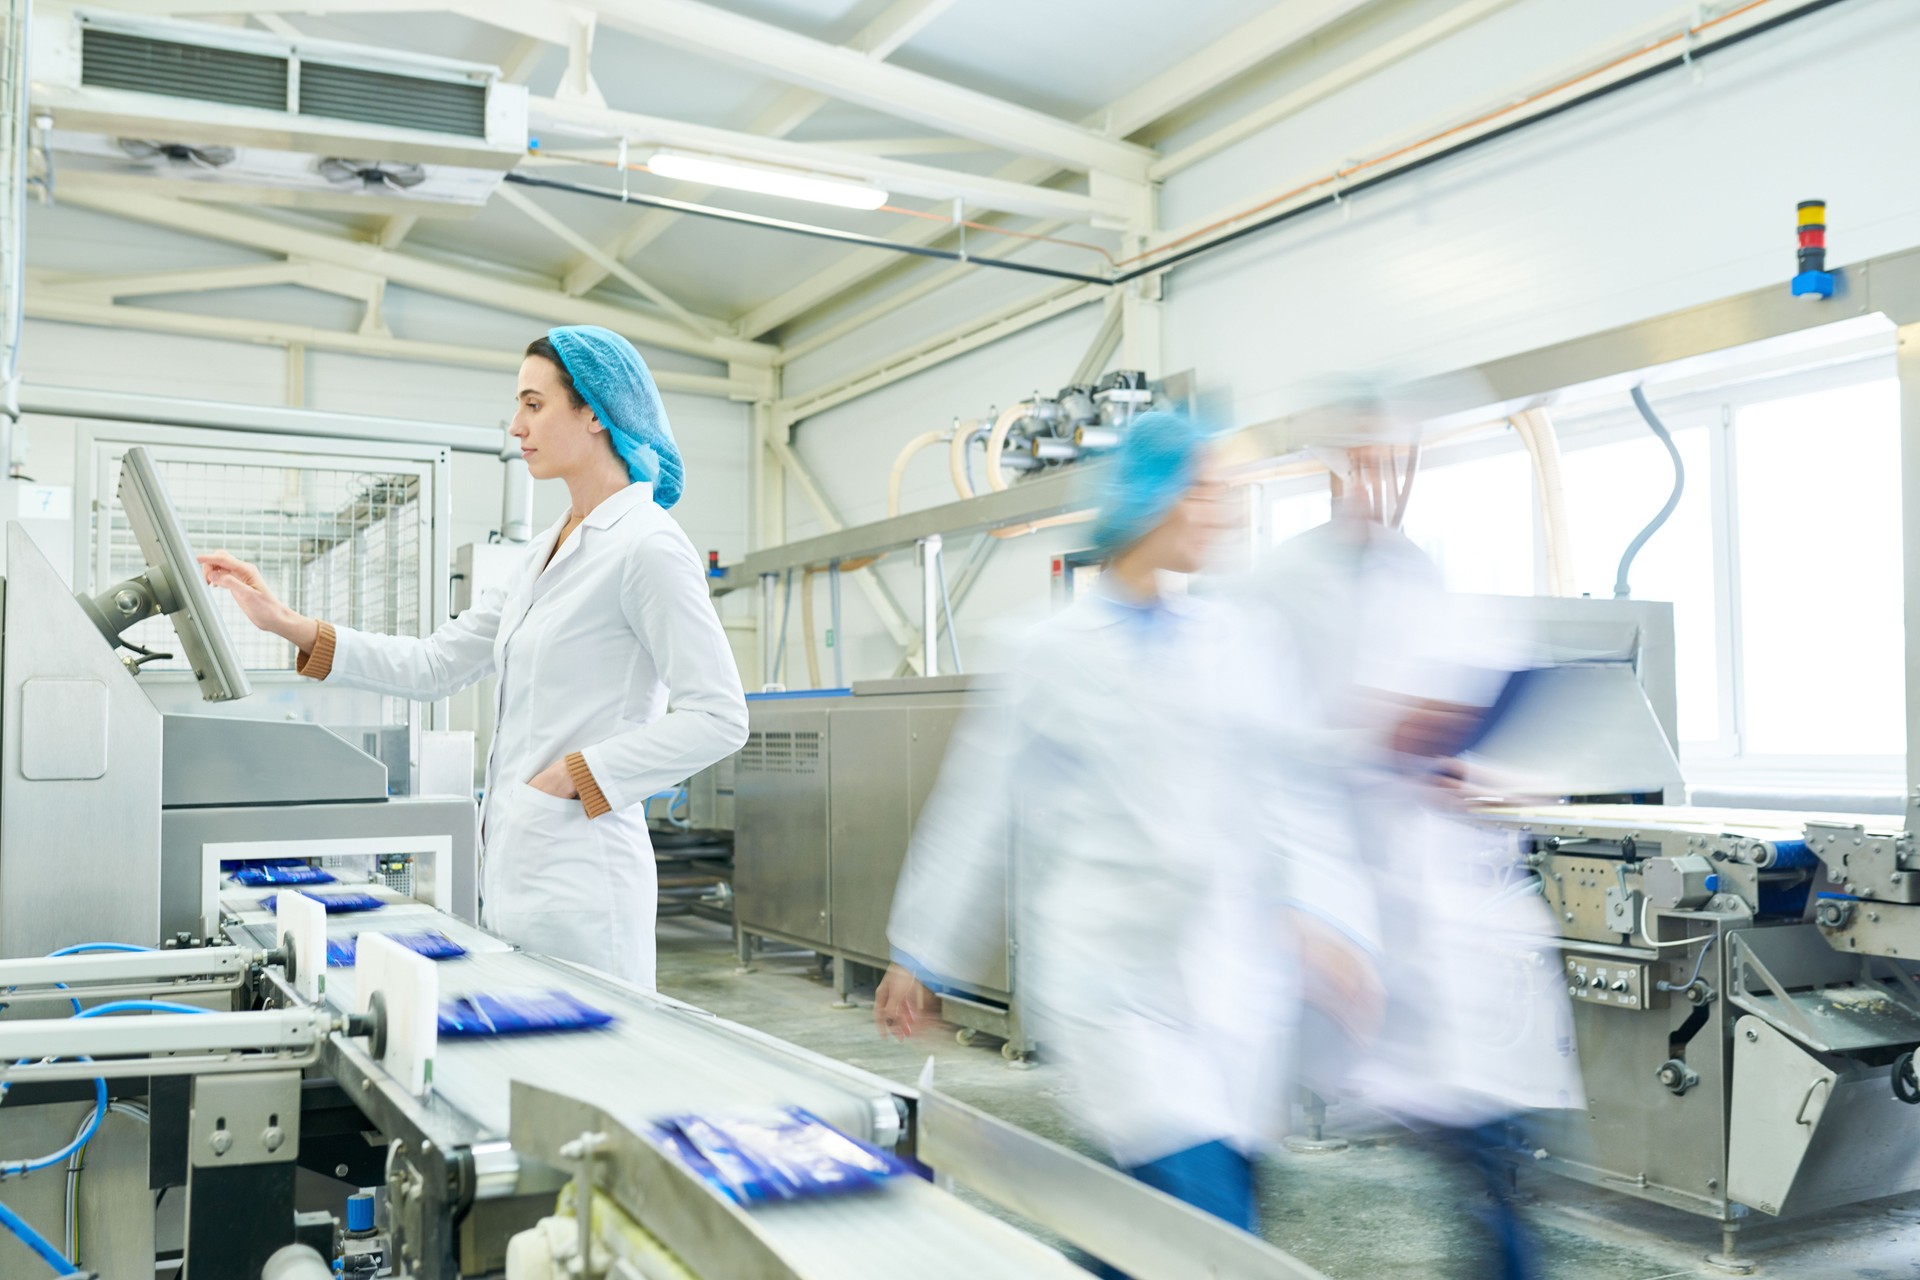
x: 286, y: 107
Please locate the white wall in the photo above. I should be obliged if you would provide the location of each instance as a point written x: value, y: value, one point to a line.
x: 1669, y: 194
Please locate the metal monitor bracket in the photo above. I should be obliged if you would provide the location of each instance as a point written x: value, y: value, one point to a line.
x: 126, y: 603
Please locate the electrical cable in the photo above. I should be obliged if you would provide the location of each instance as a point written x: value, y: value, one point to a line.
x: 133, y: 1111
x: 36, y: 1242
x: 802, y: 229
x: 1342, y: 190
x: 20, y: 1168
x: 1647, y: 938
x: 946, y: 607
x: 1621, y: 591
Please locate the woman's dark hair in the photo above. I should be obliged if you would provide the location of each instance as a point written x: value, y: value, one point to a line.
x: 542, y: 346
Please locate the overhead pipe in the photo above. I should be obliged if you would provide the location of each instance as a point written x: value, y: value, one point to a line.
x: 964, y: 434
x: 997, y: 442
x: 925, y: 440
x: 1536, y: 432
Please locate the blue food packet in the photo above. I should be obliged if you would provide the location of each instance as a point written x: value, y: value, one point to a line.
x: 505, y: 1013
x: 432, y: 945
x: 789, y: 1154
x: 281, y: 873
x: 333, y: 902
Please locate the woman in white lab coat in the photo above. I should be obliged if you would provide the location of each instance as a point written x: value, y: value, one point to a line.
x: 1152, y: 959
x: 616, y: 680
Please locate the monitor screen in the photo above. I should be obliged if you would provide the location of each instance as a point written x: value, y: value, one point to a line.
x: 178, y: 587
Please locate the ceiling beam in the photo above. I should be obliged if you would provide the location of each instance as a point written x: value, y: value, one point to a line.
x: 862, y: 265
x: 357, y: 285
x: 929, y: 282
x: 897, y: 24
x: 41, y: 306
x: 1174, y: 90
x: 394, y: 230
x: 1347, y: 73
x: 851, y: 76
x: 1279, y: 29
x: 970, y: 336
x: 693, y: 322
x: 468, y: 285
x: 899, y: 176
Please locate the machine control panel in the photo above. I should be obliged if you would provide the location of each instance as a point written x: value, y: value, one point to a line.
x: 1603, y: 980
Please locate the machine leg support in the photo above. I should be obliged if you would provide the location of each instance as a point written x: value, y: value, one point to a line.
x: 843, y: 984
x: 742, y: 950
x: 1729, y: 1259
x: 1314, y: 1141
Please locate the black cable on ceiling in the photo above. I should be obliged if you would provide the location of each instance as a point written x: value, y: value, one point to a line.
x: 1679, y: 60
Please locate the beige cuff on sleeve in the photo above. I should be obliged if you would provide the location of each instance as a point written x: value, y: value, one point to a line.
x: 317, y: 664
x: 590, y: 793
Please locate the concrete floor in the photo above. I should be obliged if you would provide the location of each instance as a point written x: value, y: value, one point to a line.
x: 1378, y: 1211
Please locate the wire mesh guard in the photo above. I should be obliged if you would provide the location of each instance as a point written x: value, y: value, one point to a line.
x: 344, y: 544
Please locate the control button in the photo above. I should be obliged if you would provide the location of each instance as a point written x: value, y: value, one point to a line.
x: 1596, y: 981
x: 1619, y: 984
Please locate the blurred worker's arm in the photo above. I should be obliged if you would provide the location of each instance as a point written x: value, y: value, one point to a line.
x: 950, y: 907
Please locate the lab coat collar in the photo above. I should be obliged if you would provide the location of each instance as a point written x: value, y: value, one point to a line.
x: 609, y: 512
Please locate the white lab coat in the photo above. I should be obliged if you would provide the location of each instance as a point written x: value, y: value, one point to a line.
x: 1151, y: 961
x: 1477, y: 1024
x: 614, y: 650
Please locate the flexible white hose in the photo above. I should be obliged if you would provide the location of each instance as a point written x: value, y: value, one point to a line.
x: 915, y: 445
x: 1536, y: 431
x: 997, y: 442
x: 964, y: 434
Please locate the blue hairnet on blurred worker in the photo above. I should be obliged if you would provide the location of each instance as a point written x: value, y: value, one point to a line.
x: 616, y: 680
x: 1151, y: 962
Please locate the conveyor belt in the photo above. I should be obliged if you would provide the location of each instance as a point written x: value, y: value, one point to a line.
x: 1753, y: 824
x: 659, y: 1058
x: 662, y: 1058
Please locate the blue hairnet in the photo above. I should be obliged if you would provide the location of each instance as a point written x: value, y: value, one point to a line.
x: 1145, y: 479
x: 613, y: 378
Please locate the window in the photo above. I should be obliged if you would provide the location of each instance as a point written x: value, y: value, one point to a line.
x: 1821, y: 634
x: 1475, y: 518
x: 1612, y: 488
x: 1293, y: 514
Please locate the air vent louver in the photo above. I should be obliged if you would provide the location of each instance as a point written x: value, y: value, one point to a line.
x: 374, y: 97
x: 117, y: 60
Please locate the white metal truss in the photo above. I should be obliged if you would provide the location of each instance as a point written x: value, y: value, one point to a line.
x: 52, y: 305
x: 850, y: 76
x: 404, y: 269
x: 899, y: 23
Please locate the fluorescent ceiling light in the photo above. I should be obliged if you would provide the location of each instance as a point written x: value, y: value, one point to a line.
x: 713, y: 172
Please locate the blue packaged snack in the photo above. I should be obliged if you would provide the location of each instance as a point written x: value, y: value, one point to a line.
x: 278, y: 873
x: 790, y: 1154
x: 333, y: 902
x: 505, y: 1013
x: 434, y: 946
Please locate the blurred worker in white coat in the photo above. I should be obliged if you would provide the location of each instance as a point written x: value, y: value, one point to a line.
x: 1476, y: 1033
x: 616, y: 680
x: 1152, y: 962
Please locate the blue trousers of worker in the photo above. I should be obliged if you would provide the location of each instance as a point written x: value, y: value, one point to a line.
x: 1212, y: 1177
x: 1507, y: 1248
